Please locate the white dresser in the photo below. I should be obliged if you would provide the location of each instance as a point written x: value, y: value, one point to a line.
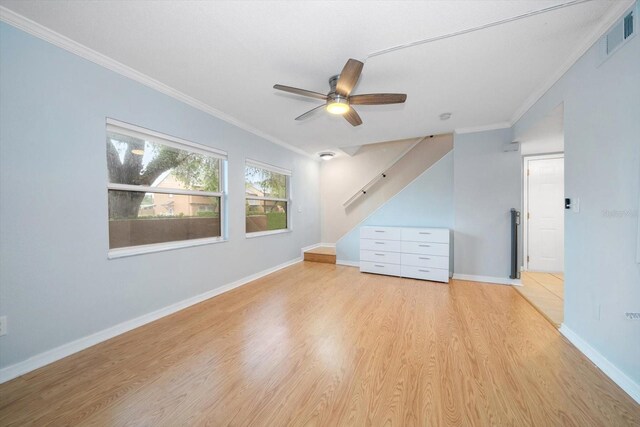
x: 419, y: 253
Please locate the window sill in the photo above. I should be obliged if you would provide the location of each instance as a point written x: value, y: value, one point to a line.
x: 267, y: 233
x: 160, y: 247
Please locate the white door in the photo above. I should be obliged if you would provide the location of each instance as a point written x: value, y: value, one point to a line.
x: 545, y: 221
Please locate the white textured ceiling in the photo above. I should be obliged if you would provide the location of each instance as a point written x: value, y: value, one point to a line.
x: 228, y: 55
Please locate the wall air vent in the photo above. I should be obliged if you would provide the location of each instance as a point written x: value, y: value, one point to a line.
x: 622, y: 31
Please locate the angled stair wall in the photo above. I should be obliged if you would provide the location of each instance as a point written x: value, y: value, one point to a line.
x: 426, y: 201
x: 344, y: 176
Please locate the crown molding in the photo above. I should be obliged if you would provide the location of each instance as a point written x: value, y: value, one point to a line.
x: 483, y: 128
x: 615, y: 13
x: 27, y: 25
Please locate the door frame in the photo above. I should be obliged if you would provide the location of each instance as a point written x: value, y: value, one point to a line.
x: 525, y: 201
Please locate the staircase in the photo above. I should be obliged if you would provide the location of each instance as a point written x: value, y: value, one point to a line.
x: 323, y: 254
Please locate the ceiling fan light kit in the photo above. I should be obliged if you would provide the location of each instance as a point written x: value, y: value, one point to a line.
x: 337, y: 105
x: 339, y: 100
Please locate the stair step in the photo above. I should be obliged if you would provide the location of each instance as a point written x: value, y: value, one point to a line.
x: 323, y: 254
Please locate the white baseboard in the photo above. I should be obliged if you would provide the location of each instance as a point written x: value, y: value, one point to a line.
x: 487, y: 279
x: 328, y: 245
x: 50, y: 356
x: 348, y: 263
x: 617, y: 376
x: 308, y: 248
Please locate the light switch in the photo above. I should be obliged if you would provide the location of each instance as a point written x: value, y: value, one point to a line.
x: 575, y: 205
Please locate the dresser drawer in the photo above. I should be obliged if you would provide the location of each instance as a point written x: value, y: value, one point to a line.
x: 380, y: 233
x: 434, y: 235
x: 380, y: 256
x: 441, y: 249
x: 380, y: 268
x: 417, y: 260
x: 425, y: 273
x: 380, y: 245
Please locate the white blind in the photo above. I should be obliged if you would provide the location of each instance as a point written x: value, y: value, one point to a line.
x: 133, y: 131
x: 272, y: 168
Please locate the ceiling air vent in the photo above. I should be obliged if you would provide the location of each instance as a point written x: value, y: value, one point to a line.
x: 620, y: 33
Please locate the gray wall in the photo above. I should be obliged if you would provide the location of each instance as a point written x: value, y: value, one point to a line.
x: 56, y: 283
x: 486, y: 186
x: 602, y: 168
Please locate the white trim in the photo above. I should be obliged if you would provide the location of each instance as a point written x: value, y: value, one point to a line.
x: 329, y: 245
x: 138, y: 132
x: 487, y: 279
x: 618, y: 9
x: 484, y: 128
x: 348, y: 263
x: 525, y: 202
x: 163, y: 190
x: 161, y: 247
x: 50, y: 356
x: 609, y: 369
x: 267, y: 166
x: 266, y: 233
x: 18, y: 21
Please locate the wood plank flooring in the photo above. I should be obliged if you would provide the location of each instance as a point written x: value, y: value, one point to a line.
x: 320, y: 344
x: 545, y: 291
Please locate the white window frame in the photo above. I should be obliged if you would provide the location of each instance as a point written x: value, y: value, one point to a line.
x: 288, y: 200
x: 128, y: 129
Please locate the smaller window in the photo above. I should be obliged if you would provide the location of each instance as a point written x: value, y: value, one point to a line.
x: 267, y: 199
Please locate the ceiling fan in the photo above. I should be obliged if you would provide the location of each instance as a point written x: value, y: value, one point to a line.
x: 339, y: 99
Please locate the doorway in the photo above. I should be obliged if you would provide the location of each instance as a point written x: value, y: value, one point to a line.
x: 544, y: 213
x: 543, y: 235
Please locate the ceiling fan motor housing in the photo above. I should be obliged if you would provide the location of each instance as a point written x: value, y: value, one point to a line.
x: 332, y: 96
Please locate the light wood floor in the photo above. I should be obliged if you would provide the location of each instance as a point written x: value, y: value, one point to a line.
x: 545, y: 291
x: 320, y: 344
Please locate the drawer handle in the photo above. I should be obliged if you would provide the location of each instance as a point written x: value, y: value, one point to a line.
x: 425, y: 246
x: 379, y: 231
x: 423, y: 257
x: 424, y: 232
x: 379, y: 243
x: 379, y: 254
x: 425, y: 271
x: 378, y: 265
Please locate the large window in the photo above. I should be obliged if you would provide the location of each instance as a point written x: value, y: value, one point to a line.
x: 267, y: 199
x: 163, y: 192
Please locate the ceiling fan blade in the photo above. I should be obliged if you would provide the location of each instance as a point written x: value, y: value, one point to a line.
x: 302, y: 92
x: 352, y: 117
x: 378, y: 98
x: 310, y: 112
x: 349, y: 77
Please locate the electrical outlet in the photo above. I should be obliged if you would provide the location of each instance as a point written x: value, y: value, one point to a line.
x: 3, y: 325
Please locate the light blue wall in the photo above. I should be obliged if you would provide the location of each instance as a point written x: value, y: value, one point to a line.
x: 486, y: 186
x: 602, y: 168
x: 56, y: 283
x: 426, y: 202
